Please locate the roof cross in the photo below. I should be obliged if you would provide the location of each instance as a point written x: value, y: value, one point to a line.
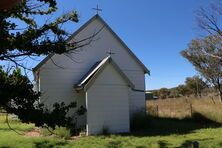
x: 110, y: 52
x: 97, y: 9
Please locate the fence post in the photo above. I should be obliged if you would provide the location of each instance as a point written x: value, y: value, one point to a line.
x: 157, y: 111
x: 191, y: 110
x: 212, y: 99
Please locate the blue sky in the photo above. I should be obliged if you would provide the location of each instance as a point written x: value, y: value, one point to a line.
x: 155, y: 30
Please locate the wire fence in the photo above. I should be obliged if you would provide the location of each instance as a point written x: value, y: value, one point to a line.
x: 172, y: 111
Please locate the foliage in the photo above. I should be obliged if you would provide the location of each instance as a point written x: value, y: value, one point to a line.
x: 63, y: 132
x: 163, y: 93
x: 206, y: 53
x: 17, y: 97
x: 183, y: 90
x: 209, y: 67
x: 46, y: 131
x: 195, y: 85
x: 33, y: 38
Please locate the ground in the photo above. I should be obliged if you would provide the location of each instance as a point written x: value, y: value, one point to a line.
x: 157, y: 132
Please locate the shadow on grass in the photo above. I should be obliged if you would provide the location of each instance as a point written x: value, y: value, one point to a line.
x: 148, y: 125
x: 48, y: 144
x: 113, y: 144
x: 187, y: 144
x: 163, y: 144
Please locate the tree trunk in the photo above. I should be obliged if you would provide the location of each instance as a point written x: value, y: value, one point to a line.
x: 200, y: 94
x: 219, y: 90
x: 220, y: 95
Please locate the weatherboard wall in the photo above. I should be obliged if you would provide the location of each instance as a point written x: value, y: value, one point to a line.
x: 108, y: 103
x: 61, y: 72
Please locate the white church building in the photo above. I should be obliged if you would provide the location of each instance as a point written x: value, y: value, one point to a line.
x: 104, y: 76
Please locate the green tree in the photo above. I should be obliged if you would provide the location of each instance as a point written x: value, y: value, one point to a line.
x: 174, y: 93
x: 183, y: 90
x: 195, y: 85
x: 29, y: 40
x: 34, y: 38
x: 208, y: 66
x: 206, y: 53
x: 163, y: 93
x: 17, y: 97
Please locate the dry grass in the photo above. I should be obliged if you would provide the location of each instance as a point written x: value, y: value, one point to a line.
x: 208, y: 108
x: 173, y: 108
x: 184, y: 107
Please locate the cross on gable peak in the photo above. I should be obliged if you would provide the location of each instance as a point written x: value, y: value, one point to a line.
x: 97, y: 9
x: 110, y: 52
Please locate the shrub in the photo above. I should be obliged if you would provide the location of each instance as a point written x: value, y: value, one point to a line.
x: 62, y: 132
x: 45, y: 132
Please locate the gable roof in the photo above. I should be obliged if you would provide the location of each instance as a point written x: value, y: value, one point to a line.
x: 112, y: 32
x: 94, y: 72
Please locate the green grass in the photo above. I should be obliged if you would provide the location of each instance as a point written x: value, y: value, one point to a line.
x: 160, y: 132
x: 60, y: 132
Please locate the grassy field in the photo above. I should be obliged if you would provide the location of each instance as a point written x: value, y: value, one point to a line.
x: 185, y: 107
x: 156, y: 131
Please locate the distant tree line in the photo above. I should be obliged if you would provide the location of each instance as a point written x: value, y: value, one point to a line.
x: 193, y: 86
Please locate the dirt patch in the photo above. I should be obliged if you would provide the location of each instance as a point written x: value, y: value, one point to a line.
x: 34, y: 133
